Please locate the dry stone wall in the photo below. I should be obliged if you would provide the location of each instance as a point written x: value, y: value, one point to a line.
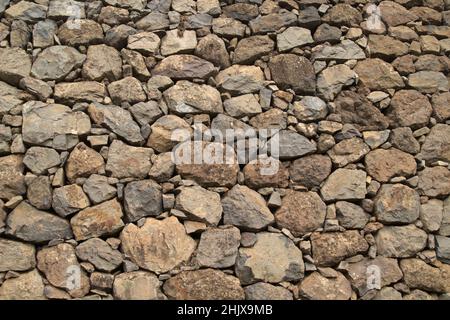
x: 94, y: 205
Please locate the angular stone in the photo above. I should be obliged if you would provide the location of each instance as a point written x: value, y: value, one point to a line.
x: 440, y: 105
x: 310, y: 108
x: 436, y: 145
x: 32, y: 225
x: 343, y: 14
x: 434, y: 182
x: 128, y: 89
x: 301, y: 212
x: 44, y: 33
x: 102, y: 62
x: 36, y: 87
x: 82, y: 162
x: 205, y: 284
x: 348, y: 151
x: 98, y: 189
x: 273, y: 22
x: 146, y: 112
x: 327, y: 33
x: 351, y: 216
x: 386, y: 47
x: 292, y: 145
x: 344, y: 184
x: 409, y: 108
x: 359, y: 275
x: 240, y: 79
x: 80, y: 32
x: 330, y: 248
x: 100, y: 220
x: 346, y: 50
x: 144, y: 42
x: 16, y: 64
x: 395, y: 14
x: 174, y: 43
x: 187, y: 97
x: 153, y: 21
x: 184, y: 66
x: 18, y: 256
x: 396, y: 204
x: 39, y: 159
x: 126, y: 161
x: 293, y: 37
x: 39, y: 193
x: 117, y: 120
x: 245, y: 208
x: 273, y: 258
x: 159, y: 245
x: 400, y: 242
x: 218, y: 247
x: 83, y: 91
x: 12, y: 180
x: 266, y: 291
x: 311, y: 170
x: 431, y: 214
x: 418, y: 274
x: 376, y: 74
x: 403, y: 139
x: 317, y: 287
x: 100, y: 254
x: 142, y: 198
x: 228, y: 27
x: 212, y: 48
x: 27, y: 286
x: 60, y: 9
x: 69, y: 199
x: 163, y: 137
x: 356, y: 109
x: 27, y: 11
x: 384, y: 164
x: 290, y: 70
x: 200, y: 204
x: 252, y: 48
x: 55, y: 63
x: 241, y: 106
x: 428, y: 81
x: 265, y: 172
x: 331, y: 80
x: 137, y: 285
x: 58, y: 263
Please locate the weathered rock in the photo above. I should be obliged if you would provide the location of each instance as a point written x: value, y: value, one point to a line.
x: 58, y: 263
x: 59, y: 9
x: 348, y: 151
x: 311, y: 170
x: 343, y: 14
x: 102, y: 62
x: 128, y: 89
x: 163, y: 137
x: 36, y: 87
x: 328, y: 249
x: 39, y: 193
x: 265, y: 172
x: 98, y: 189
x: 409, y: 108
x: 27, y: 286
x: 100, y: 254
x: 317, y: 287
x: 376, y: 74
x: 137, y: 285
x: 436, y: 145
x: 55, y: 63
x: 403, y: 139
x: 245, y: 208
x: 39, y: 159
x: 82, y: 162
x: 159, y: 245
x: 418, y: 274
x: 428, y: 81
x: 146, y: 112
x: 80, y: 32
x: 310, y: 108
x: 273, y: 258
x: 142, y: 198
x: 12, y: 181
x: 126, y: 161
x: 16, y: 64
x: 206, y: 284
x: 266, y: 291
x: 301, y: 212
x: 187, y: 97
x: 241, y: 106
x: 400, y: 242
x: 395, y: 14
x: 228, y: 27
x: 83, y: 91
x: 53, y: 125
x: 439, y: 103
x: 273, y: 22
x: 184, y: 66
x: 384, y: 164
x: 27, y: 11
x: 29, y: 224
x: 346, y: 50
x: 434, y: 182
x: 331, y: 81
x: 351, y: 216
x: 18, y: 256
x: 100, y: 220
x: 386, y: 47
x: 292, y: 145
x: 200, y: 204
x: 212, y: 48
x: 144, y: 42
x: 252, y: 48
x: 344, y: 184
x: 174, y: 43
x: 240, y: 79
x: 289, y: 70
x: 397, y: 204
x: 218, y: 247
x: 327, y: 33
x: 293, y: 37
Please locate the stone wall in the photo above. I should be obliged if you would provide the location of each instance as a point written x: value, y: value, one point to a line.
x: 354, y: 92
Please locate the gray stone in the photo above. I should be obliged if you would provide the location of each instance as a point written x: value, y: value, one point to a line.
x: 16, y: 64
x: 39, y: 159
x: 200, y: 204
x: 69, y: 199
x: 344, y: 184
x: 137, y: 285
x: 141, y: 199
x: 12, y: 180
x: 346, y: 50
x: 293, y: 37
x: 240, y: 79
x: 126, y: 161
x: 100, y: 254
x: 351, y: 216
x: 29, y: 12
x: 400, y: 242
x: 443, y: 249
x: 431, y: 215
x: 102, y: 62
x: 98, y: 189
x: 17, y: 256
x: 184, y: 66
x: 266, y: 291
x: 39, y: 193
x: 310, y: 108
x: 293, y: 145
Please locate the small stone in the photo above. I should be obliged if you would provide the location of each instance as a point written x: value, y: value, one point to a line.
x: 144, y: 42
x: 141, y: 199
x: 351, y: 216
x: 184, y: 66
x: 98, y: 189
x: 39, y: 159
x: 200, y: 204
x: 128, y: 89
x: 100, y: 254
x: 27, y: 286
x: 80, y: 32
x: 431, y: 214
x: 266, y: 291
x: 252, y: 48
x: 434, y: 182
x: 418, y: 274
x: 69, y: 199
x: 102, y: 62
x: 331, y: 80
x: 293, y: 37
x: 376, y: 74
x: 82, y: 162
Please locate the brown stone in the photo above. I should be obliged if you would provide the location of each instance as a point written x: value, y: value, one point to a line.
x: 384, y: 164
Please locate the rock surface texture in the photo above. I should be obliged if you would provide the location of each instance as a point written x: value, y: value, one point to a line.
x: 225, y: 149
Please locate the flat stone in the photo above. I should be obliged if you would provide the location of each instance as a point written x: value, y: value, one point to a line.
x: 384, y: 164
x: 394, y: 14
x: 403, y: 139
x: 376, y: 74
x: 200, y: 204
x: 431, y: 214
x: 96, y: 221
x: 293, y: 37
x: 436, y: 145
x: 310, y: 170
x: 173, y: 42
x: 100, y: 254
x: 163, y: 138
x: 409, y: 108
x: 80, y: 32
x: 272, y: 22
x: 29, y: 12
x: 265, y: 172
x: 346, y: 50
x: 351, y: 216
x: 141, y: 199
x: 60, y: 9
x: 239, y: 79
x: 126, y: 161
x: 386, y: 47
x: 348, y: 151
x: 159, y: 245
x: 344, y: 184
x: 317, y: 287
x: 428, y: 81
x: 212, y: 48
x: 184, y: 66
x: 418, y: 274
x: 32, y: 225
x: 83, y: 91
x: 328, y: 249
x: 292, y: 145
x: 16, y: 64
x: 98, y: 189
x: 252, y: 48
x: 144, y: 42
x: 118, y: 120
x: 137, y: 285
x: 18, y: 256
x: 205, y: 284
x: 401, y: 241
x: 434, y: 182
x: 153, y: 21
x: 218, y: 247
x: 228, y: 27
x: 273, y: 258
x: 301, y: 212
x: 128, y: 4
x: 343, y: 14
x: 310, y: 108
x: 102, y: 62
x: 331, y: 80
x: 39, y: 193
